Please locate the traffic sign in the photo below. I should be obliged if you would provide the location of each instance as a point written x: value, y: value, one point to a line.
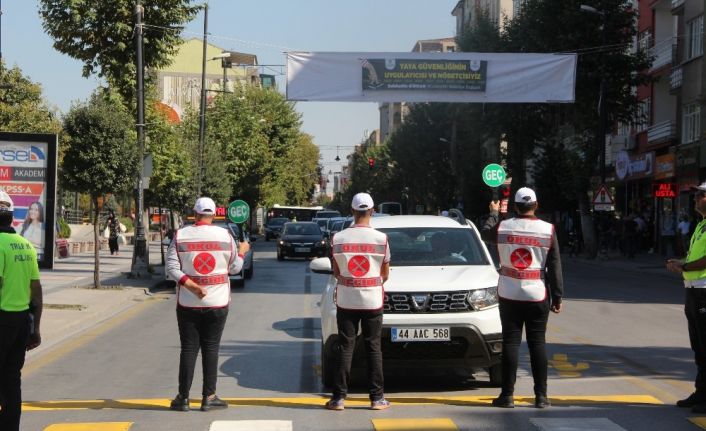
x: 238, y: 211
x: 493, y: 175
x: 602, y: 200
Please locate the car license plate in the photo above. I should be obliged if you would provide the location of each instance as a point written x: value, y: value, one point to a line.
x: 420, y: 334
x: 302, y: 249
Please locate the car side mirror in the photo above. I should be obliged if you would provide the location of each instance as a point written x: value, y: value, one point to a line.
x: 321, y: 265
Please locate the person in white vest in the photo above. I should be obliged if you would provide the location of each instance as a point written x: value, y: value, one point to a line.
x: 530, y: 285
x: 361, y: 264
x: 200, y: 257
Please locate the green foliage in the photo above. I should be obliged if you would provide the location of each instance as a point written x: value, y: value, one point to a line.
x: 127, y: 221
x: 64, y: 228
x: 100, y: 35
x: 22, y: 107
x: 100, y: 155
x: 254, y: 149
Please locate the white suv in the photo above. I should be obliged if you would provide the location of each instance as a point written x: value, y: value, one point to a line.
x: 441, y: 300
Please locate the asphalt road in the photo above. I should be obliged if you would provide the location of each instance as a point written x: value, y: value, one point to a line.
x: 619, y: 354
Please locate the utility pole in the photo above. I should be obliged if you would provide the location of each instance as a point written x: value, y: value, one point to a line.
x: 202, y: 108
x: 140, y: 255
x: 0, y: 30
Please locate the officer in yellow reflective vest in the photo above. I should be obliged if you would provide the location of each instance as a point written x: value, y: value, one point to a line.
x: 693, y: 269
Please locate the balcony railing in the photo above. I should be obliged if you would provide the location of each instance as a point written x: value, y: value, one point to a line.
x: 676, y: 78
x: 676, y: 4
x: 661, y: 132
x: 662, y: 53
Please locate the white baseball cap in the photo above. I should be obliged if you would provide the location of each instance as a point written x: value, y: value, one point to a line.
x: 362, y: 202
x: 5, y: 198
x: 205, y: 206
x: 525, y: 196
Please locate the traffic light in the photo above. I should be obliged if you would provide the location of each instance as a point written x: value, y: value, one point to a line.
x: 505, y: 192
x: 371, y: 163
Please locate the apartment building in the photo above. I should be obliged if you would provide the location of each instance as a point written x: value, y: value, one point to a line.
x: 664, y: 150
x: 179, y: 84
x: 467, y: 12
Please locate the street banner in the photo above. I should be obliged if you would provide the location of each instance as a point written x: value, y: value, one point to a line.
x: 431, y: 77
x: 28, y: 175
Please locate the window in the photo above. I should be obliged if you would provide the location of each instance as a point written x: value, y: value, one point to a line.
x: 642, y: 122
x: 645, y: 40
x: 691, y: 125
x: 434, y: 246
x: 695, y: 38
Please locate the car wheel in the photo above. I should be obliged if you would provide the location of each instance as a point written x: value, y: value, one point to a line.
x: 170, y: 284
x: 280, y: 256
x: 328, y: 365
x: 496, y: 375
x: 248, y: 273
x: 237, y: 284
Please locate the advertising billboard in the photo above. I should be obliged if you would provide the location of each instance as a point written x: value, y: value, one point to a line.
x: 28, y: 175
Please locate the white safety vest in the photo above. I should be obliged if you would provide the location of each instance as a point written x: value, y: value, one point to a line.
x: 523, y: 245
x: 206, y: 253
x: 359, y: 252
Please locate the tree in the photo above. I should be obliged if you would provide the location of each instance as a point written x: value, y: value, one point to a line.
x: 22, y: 107
x: 100, y: 35
x: 101, y: 154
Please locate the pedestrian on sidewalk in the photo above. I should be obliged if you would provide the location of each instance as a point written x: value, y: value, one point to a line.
x: 19, y: 287
x: 200, y: 257
x: 683, y: 230
x: 693, y: 269
x: 113, y: 226
x: 668, y: 233
x: 361, y: 257
x: 530, y: 285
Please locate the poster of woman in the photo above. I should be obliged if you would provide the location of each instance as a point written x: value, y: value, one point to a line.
x: 33, y: 227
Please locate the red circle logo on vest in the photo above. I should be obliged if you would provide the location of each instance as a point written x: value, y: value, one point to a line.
x: 358, y: 266
x: 521, y: 258
x: 204, y: 263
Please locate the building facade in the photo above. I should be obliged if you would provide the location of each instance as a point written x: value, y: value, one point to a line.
x: 467, y: 12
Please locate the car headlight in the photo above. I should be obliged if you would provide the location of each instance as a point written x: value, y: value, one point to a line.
x: 481, y: 299
x: 285, y: 243
x: 322, y: 242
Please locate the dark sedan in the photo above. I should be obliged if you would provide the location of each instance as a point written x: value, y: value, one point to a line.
x: 274, y: 227
x: 301, y: 239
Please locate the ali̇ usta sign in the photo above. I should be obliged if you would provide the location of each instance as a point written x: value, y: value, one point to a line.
x: 665, y: 190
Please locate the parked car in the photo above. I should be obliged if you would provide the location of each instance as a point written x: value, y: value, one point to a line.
x: 236, y: 280
x: 274, y: 227
x: 440, y: 306
x: 301, y: 239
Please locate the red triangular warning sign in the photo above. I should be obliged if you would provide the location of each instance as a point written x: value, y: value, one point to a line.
x: 602, y: 196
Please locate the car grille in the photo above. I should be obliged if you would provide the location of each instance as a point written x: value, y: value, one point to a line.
x: 302, y: 244
x: 434, y: 302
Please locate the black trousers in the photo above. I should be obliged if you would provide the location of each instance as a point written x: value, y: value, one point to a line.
x: 14, y: 334
x: 695, y: 310
x: 533, y: 316
x: 113, y: 244
x: 200, y: 328
x: 371, y: 327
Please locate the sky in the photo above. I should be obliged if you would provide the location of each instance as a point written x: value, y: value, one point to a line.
x: 266, y: 29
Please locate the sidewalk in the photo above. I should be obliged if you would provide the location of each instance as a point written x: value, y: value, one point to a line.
x: 72, y: 306
x: 649, y: 264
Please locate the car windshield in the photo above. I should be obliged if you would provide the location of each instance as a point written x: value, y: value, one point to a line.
x: 327, y: 214
x: 322, y: 222
x: 277, y: 221
x: 301, y: 229
x: 434, y: 246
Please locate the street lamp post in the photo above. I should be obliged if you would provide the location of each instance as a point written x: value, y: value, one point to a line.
x: 602, y: 105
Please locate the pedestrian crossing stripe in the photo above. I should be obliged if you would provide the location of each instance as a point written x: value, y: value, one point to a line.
x: 576, y: 424
x: 698, y: 421
x: 92, y: 426
x: 419, y: 424
x: 251, y: 425
x: 476, y: 400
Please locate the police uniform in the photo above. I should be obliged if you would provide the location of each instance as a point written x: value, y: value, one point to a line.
x: 695, y: 309
x: 530, y: 277
x: 18, y: 269
x: 359, y: 255
x: 205, y: 254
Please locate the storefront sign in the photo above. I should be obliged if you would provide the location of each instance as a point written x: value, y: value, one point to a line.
x: 28, y: 175
x: 634, y: 167
x: 665, y: 165
x: 665, y: 190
